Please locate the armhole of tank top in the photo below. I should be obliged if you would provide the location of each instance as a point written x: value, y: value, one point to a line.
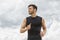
x: 41, y: 20
x: 26, y: 21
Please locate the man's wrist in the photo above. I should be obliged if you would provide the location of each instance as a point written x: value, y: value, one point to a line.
x: 26, y: 28
x: 44, y: 32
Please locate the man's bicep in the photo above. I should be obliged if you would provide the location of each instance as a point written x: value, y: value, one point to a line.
x: 43, y: 24
x: 23, y: 23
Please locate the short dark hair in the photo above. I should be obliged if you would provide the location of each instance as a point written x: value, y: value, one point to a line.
x: 34, y: 6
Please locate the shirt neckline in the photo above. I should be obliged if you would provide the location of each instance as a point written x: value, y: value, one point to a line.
x: 33, y: 17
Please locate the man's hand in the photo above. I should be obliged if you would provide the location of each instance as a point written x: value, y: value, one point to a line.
x: 28, y: 26
x: 42, y: 34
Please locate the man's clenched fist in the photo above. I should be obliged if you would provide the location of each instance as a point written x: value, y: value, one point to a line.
x: 28, y: 26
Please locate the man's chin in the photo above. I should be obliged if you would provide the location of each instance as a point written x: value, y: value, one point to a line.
x: 29, y: 13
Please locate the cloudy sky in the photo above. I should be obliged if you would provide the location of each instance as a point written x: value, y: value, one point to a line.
x: 12, y: 13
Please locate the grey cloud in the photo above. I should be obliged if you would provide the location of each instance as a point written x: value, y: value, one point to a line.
x: 16, y: 12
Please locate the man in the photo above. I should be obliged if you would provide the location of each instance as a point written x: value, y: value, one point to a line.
x: 33, y: 24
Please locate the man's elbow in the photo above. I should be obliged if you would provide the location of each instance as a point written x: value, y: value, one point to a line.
x: 45, y: 29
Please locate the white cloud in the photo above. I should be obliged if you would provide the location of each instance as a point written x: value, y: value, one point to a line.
x: 53, y: 32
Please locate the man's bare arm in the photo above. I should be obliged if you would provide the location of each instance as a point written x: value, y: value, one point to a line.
x: 43, y: 27
x: 23, y: 26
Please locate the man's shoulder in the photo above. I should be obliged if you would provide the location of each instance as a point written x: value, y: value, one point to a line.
x: 39, y: 17
x: 28, y: 16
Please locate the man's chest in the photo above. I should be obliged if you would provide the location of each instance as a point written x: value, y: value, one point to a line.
x: 34, y: 22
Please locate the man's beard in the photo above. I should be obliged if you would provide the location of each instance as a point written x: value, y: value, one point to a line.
x: 30, y: 13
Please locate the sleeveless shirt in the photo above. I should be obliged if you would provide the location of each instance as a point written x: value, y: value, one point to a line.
x: 36, y: 23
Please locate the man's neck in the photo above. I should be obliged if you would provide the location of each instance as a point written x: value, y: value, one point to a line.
x: 33, y: 15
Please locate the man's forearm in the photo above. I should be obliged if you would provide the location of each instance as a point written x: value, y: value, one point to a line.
x: 44, y: 30
x: 23, y: 30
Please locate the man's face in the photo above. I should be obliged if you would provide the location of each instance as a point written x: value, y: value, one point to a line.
x: 30, y: 10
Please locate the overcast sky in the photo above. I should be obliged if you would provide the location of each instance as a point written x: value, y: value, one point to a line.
x: 12, y: 12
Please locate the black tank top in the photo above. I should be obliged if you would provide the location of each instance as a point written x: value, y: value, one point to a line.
x: 36, y: 23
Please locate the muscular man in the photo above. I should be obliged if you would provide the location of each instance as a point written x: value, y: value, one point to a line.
x: 33, y: 24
